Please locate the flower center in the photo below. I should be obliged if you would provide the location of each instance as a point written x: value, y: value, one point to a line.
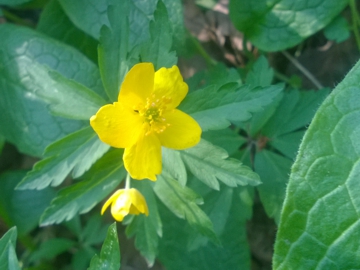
x: 153, y: 113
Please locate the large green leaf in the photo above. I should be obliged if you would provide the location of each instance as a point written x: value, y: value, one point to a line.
x: 319, y: 226
x: 77, y: 152
x: 8, y: 259
x: 81, y: 197
x: 279, y: 24
x: 147, y: 229
x: 209, y: 164
x: 216, y: 108
x: 25, y: 120
x: 109, y: 258
x: 54, y: 23
x: 183, y: 202
x: 22, y: 208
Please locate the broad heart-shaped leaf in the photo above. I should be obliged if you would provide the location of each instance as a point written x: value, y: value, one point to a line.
x: 183, y: 202
x: 279, y: 24
x: 25, y: 120
x: 77, y: 152
x: 109, y: 258
x: 54, y: 23
x: 157, y: 49
x: 81, y: 197
x: 209, y: 164
x: 319, y: 226
x: 8, y: 259
x: 215, y: 108
x: 114, y: 49
x: 22, y: 208
x: 234, y: 253
x: 147, y: 229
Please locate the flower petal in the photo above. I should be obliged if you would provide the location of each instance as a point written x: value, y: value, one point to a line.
x: 138, y: 202
x: 121, y: 206
x: 137, y: 85
x: 111, y: 199
x: 116, y: 125
x: 183, y: 131
x: 169, y: 83
x: 143, y: 159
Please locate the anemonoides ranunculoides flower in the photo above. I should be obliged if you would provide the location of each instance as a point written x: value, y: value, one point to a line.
x: 124, y: 202
x: 145, y: 118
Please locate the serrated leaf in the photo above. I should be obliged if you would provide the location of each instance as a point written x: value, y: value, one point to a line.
x: 209, y: 164
x: 65, y: 97
x: 280, y: 24
x: 77, y: 152
x: 173, y: 165
x: 274, y: 172
x: 94, y: 231
x: 114, y: 49
x: 22, y: 208
x: 82, y: 196
x: 183, y: 202
x: 8, y: 259
x: 158, y: 49
x: 25, y: 120
x: 215, y: 108
x: 109, y: 258
x: 54, y: 23
x: 320, y: 217
x: 147, y: 229
x: 261, y: 74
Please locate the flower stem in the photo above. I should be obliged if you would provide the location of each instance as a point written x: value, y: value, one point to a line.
x: 127, y: 181
x: 355, y: 21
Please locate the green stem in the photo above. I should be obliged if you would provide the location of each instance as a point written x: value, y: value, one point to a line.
x: 127, y: 181
x: 16, y: 19
x: 355, y: 21
x: 202, y: 52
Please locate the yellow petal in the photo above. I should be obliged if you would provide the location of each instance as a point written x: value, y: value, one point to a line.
x: 183, y: 131
x: 117, y: 125
x: 137, y: 85
x: 143, y: 159
x: 169, y: 83
x: 138, y: 203
x: 121, y: 206
x: 111, y: 199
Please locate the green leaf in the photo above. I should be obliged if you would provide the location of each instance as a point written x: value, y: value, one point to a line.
x: 215, y: 108
x: 261, y: 74
x: 94, y: 231
x: 22, y: 208
x: 274, y: 172
x: 173, y: 165
x: 77, y: 152
x: 209, y: 164
x: 114, y: 49
x: 51, y: 248
x: 320, y: 218
x: 147, y: 229
x: 66, y: 98
x: 81, y: 197
x: 87, y: 15
x: 158, y: 49
x: 183, y: 202
x: 280, y: 24
x: 338, y: 30
x: 54, y: 23
x: 8, y: 259
x: 109, y: 258
x: 13, y: 2
x: 25, y: 120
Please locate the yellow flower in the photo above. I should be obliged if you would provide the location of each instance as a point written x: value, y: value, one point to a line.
x: 124, y: 202
x: 145, y: 118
